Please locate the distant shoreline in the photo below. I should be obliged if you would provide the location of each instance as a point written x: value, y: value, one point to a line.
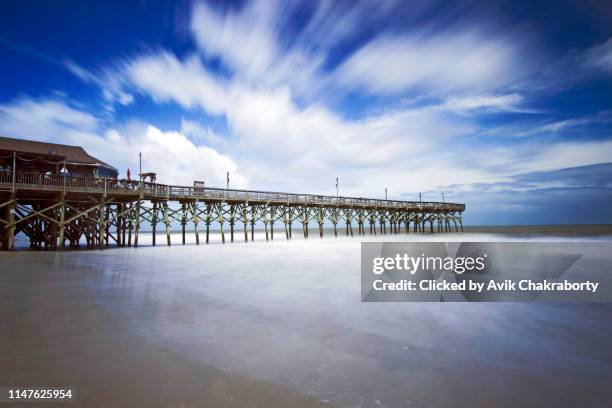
x: 563, y: 229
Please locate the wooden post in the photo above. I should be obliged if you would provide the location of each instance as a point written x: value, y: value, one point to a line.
x: 286, y: 220
x: 118, y: 224
x: 107, y: 228
x: 10, y: 230
x: 183, y: 221
x: 232, y: 221
x: 245, y: 223
x: 124, y: 223
x: 253, y: 219
x: 137, y: 226
x: 154, y: 223
x: 61, y: 222
x: 166, y: 222
x: 130, y: 223
x: 221, y: 221
x: 207, y: 221
x: 101, y: 224
x: 196, y: 221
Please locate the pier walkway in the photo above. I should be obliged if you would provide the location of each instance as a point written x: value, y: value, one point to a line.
x: 58, y: 211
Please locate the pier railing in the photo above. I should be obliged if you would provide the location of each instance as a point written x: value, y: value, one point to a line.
x: 156, y: 191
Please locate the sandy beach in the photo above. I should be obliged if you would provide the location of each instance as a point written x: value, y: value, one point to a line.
x: 280, y: 324
x: 54, y: 333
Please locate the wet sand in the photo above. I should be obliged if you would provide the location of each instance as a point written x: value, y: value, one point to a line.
x: 278, y: 325
x: 53, y: 332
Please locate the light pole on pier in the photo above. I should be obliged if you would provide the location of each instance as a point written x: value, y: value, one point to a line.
x: 227, y: 185
x: 337, y: 190
x: 140, y: 165
x: 419, y: 199
x: 443, y: 197
x: 386, y: 193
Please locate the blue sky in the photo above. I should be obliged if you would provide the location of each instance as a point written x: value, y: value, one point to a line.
x: 506, y: 106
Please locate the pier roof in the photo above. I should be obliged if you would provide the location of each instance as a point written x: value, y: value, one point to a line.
x: 72, y: 154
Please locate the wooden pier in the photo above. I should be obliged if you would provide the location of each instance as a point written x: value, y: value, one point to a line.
x: 58, y: 211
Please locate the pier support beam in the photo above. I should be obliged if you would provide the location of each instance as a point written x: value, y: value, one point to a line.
x: 232, y: 221
x: 253, y: 219
x: 7, y: 224
x: 62, y: 226
x: 183, y: 221
x: 207, y: 221
x: 101, y: 224
x: 167, y: 222
x: 195, y: 218
x: 154, y: 223
x: 137, y: 220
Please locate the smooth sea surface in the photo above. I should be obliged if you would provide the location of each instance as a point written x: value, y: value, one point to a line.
x: 290, y: 313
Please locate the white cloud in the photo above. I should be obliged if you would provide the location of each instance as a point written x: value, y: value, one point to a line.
x: 245, y: 40
x: 468, y: 104
x: 248, y: 43
x: 564, y: 154
x: 44, y: 117
x: 175, y: 158
x: 200, y: 134
x: 445, y: 62
x: 165, y: 78
x: 600, y: 56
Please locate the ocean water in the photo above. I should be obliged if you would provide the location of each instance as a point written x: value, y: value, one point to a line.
x: 290, y: 312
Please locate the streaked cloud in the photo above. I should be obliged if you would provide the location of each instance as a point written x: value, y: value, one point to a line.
x: 467, y: 104
x: 463, y: 60
x: 164, y: 78
x: 600, y: 56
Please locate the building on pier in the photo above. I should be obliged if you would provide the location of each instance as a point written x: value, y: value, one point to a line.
x: 51, y: 159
